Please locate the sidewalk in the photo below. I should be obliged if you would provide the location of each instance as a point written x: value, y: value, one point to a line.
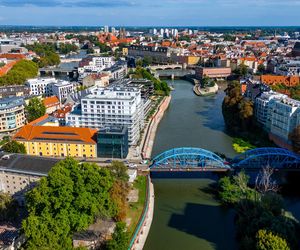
x: 141, y: 239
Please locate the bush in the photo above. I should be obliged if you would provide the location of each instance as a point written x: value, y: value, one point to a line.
x: 14, y: 147
x: 268, y: 241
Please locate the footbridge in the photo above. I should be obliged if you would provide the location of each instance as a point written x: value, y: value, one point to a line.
x: 198, y: 159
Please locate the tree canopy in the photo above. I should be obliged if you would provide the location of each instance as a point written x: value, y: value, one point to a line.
x: 14, y: 147
x: 237, y: 110
x: 46, y: 53
x: 66, y: 201
x: 268, y: 241
x: 35, y: 109
x: 19, y: 73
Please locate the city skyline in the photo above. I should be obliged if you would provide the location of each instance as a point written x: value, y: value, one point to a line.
x: 146, y: 13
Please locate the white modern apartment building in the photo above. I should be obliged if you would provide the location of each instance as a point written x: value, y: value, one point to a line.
x: 40, y: 86
x: 62, y: 89
x: 50, y: 86
x: 262, y: 107
x: 111, y: 106
x: 284, y: 117
x: 95, y: 64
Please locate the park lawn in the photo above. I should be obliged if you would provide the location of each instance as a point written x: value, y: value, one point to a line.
x: 135, y: 209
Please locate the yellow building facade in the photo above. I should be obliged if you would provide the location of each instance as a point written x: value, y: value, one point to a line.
x: 58, y: 141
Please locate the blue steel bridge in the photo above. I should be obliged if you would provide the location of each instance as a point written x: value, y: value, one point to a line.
x: 198, y: 159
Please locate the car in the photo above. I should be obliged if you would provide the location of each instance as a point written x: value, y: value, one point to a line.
x: 132, y: 165
x: 144, y: 162
x: 108, y: 161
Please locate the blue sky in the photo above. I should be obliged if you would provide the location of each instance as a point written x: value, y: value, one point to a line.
x: 150, y: 12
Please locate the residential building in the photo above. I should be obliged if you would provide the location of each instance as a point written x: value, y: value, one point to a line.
x: 12, y: 115
x: 51, y: 86
x: 95, y: 64
x: 62, y: 89
x: 58, y: 141
x: 108, y: 107
x: 215, y: 73
x: 263, y: 107
x: 284, y: 118
x: 14, y: 90
x: 296, y: 50
x: 51, y: 103
x: 117, y: 71
x: 288, y: 81
x: 112, y: 142
x: 101, y: 80
x: 40, y: 86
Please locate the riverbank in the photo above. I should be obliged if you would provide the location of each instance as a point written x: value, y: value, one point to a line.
x: 143, y: 227
x: 149, y: 136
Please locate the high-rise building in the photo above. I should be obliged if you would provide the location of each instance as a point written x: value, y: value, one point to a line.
x: 108, y: 107
x: 113, y: 30
x: 106, y: 29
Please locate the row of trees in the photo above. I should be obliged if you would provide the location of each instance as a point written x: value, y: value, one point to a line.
x: 70, y: 198
x: 160, y: 87
x: 261, y: 221
x: 47, y: 54
x: 67, y: 48
x: 19, y: 73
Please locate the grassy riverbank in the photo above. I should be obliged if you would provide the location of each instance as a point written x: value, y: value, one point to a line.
x: 136, y: 208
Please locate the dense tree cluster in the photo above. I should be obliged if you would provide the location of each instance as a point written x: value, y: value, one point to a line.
x: 19, y: 73
x: 35, y: 109
x: 242, y: 70
x: 261, y: 221
x: 237, y: 110
x: 161, y: 87
x: 14, y: 147
x: 120, y: 238
x: 67, y: 48
x: 46, y: 53
x: 68, y: 200
x: 292, y: 91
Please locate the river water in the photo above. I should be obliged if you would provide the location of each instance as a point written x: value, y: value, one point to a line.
x: 187, y: 215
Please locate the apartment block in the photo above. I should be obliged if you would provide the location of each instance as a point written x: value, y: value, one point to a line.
x: 108, y: 107
x: 12, y: 115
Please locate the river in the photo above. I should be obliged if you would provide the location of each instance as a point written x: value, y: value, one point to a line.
x: 187, y: 215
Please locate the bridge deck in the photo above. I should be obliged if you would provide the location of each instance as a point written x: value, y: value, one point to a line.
x: 188, y: 170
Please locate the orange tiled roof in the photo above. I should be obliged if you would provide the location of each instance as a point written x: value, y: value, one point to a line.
x: 61, y: 113
x: 51, y: 101
x: 39, y: 119
x: 56, y: 134
x: 286, y: 80
x: 7, y: 67
x: 12, y: 56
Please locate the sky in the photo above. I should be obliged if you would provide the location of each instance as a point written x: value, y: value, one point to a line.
x: 150, y: 12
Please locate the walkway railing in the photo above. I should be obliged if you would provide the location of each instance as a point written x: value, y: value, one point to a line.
x: 140, y: 224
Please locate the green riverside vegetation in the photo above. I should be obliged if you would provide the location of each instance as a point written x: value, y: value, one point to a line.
x: 19, y: 73
x: 72, y: 197
x: 14, y: 147
x: 46, y: 54
x: 161, y: 87
x: 261, y: 220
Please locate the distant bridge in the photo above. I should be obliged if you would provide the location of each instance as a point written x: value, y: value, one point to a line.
x: 198, y: 159
x: 167, y: 66
x: 54, y: 71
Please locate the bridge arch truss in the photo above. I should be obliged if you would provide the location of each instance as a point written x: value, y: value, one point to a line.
x: 183, y: 158
x: 277, y: 158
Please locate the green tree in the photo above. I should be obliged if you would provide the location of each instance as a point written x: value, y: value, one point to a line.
x: 67, y: 201
x: 119, y: 170
x: 269, y: 241
x: 35, y: 109
x: 261, y: 69
x: 120, y: 238
x: 242, y: 70
x: 14, y: 147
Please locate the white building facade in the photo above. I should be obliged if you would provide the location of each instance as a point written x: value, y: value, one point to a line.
x: 111, y: 106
